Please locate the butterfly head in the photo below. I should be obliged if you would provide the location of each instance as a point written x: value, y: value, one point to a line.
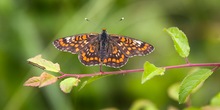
x: 104, y: 29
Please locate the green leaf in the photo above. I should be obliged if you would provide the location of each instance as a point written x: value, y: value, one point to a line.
x: 216, y: 100
x: 150, y: 71
x: 173, y: 91
x: 143, y: 105
x: 39, y: 62
x: 47, y: 79
x: 67, y: 84
x: 191, y: 82
x: 180, y: 41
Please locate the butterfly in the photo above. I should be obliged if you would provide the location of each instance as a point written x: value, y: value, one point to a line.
x: 103, y: 49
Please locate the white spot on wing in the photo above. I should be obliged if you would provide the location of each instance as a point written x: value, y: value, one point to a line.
x: 138, y: 42
x: 68, y: 39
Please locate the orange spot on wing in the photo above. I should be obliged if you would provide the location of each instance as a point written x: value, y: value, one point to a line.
x: 122, y: 56
x: 84, y: 58
x: 147, y: 45
x: 66, y: 45
x: 77, y: 38
x: 122, y: 39
x: 126, y: 45
x: 105, y: 61
x: 128, y: 52
x: 129, y: 41
x: 80, y: 38
x: 77, y: 49
x: 115, y: 50
x: 61, y: 42
x: 87, y: 60
x: 129, y: 48
x: 83, y: 54
x: 117, y: 61
x: 91, y: 58
x: 91, y: 49
x: 143, y: 48
x: 84, y: 37
x: 96, y: 58
x: 121, y: 60
x: 134, y: 48
x: 109, y: 59
x: 77, y: 45
x: 113, y: 60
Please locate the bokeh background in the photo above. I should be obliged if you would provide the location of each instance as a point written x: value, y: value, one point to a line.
x: 28, y: 27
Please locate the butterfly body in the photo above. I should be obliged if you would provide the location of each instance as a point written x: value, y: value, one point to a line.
x: 103, y: 49
x: 103, y: 46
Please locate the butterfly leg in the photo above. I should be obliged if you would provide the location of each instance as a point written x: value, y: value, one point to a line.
x: 100, y: 69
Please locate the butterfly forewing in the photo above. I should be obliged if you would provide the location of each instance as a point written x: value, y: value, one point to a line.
x: 132, y: 47
x: 74, y: 44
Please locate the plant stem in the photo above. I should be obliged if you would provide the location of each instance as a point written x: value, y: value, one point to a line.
x: 193, y: 65
x: 63, y: 75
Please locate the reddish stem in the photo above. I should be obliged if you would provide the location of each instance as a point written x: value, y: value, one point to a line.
x: 63, y: 75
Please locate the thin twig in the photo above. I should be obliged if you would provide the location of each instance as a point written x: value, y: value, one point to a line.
x: 63, y: 75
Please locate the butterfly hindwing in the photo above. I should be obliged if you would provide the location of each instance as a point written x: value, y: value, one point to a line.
x: 132, y: 47
x: 89, y: 55
x: 115, y: 57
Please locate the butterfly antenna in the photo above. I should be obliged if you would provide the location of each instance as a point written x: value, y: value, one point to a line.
x: 87, y: 19
x: 90, y: 21
x: 122, y: 18
x: 100, y: 68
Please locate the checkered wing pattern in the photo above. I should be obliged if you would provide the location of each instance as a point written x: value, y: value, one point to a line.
x: 74, y: 44
x: 132, y: 47
x: 89, y: 55
x: 115, y: 57
x: 103, y: 49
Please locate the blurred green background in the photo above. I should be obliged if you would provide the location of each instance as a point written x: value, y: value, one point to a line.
x: 28, y: 27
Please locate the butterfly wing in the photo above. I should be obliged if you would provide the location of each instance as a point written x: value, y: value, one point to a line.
x: 132, y: 47
x: 74, y: 43
x: 115, y: 57
x: 90, y: 55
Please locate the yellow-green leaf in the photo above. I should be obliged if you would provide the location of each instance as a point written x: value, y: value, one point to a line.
x: 39, y: 62
x: 180, y: 41
x: 67, y: 84
x: 216, y: 100
x: 33, y: 82
x: 47, y: 79
x: 150, y: 71
x: 173, y: 91
x: 191, y: 82
x: 143, y: 105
